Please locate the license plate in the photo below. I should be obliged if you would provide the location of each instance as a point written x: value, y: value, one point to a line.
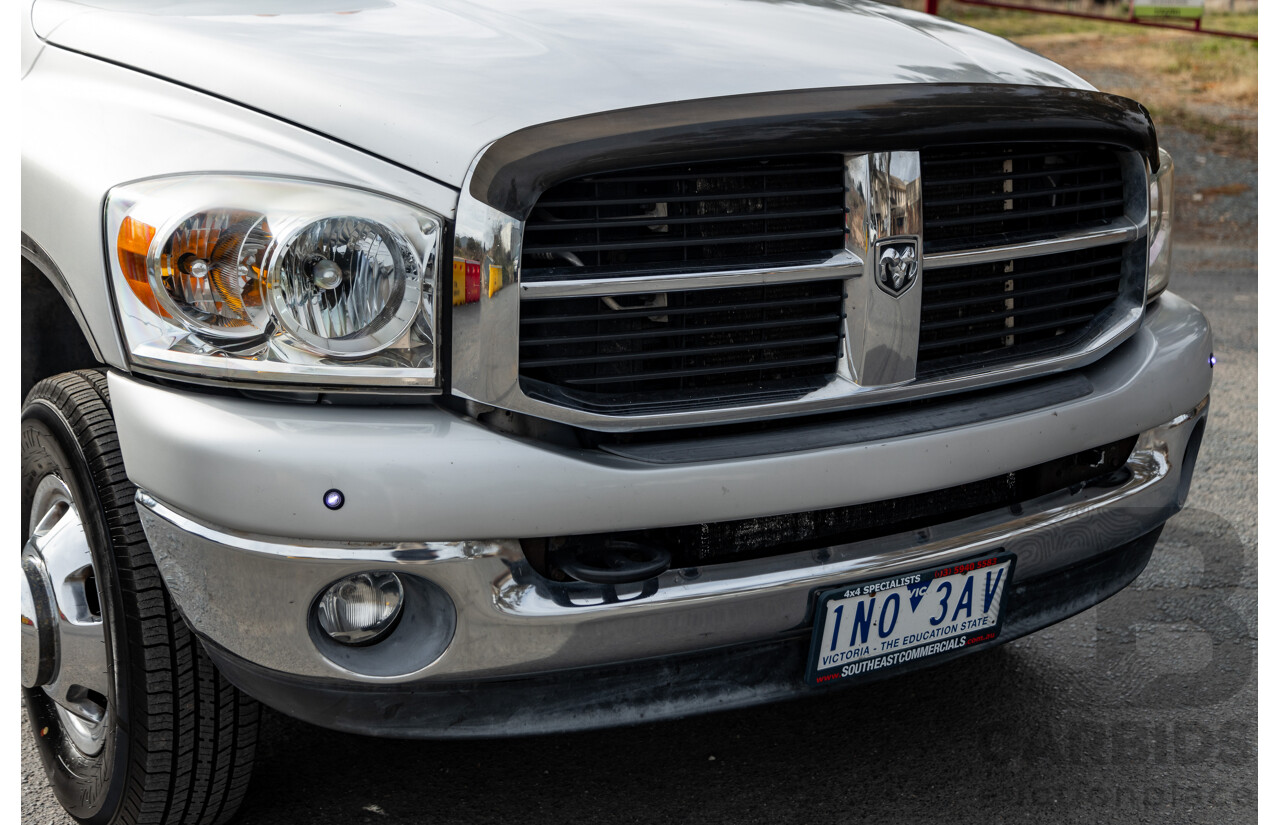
x: 868, y: 627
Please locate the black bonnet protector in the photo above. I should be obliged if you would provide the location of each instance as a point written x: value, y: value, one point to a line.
x: 516, y: 169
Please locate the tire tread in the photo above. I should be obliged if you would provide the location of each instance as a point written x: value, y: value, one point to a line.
x: 193, y: 734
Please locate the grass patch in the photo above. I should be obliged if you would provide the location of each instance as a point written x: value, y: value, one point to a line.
x: 1166, y: 67
x: 1229, y: 138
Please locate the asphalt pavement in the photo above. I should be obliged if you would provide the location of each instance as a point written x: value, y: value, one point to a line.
x: 1143, y: 709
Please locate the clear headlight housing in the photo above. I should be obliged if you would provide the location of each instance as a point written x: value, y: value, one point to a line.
x: 1160, y: 227
x: 274, y: 281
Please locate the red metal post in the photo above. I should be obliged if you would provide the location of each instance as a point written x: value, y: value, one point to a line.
x: 931, y: 6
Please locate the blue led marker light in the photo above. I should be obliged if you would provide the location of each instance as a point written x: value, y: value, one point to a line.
x: 334, y: 499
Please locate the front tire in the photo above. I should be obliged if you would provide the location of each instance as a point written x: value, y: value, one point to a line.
x: 133, y: 723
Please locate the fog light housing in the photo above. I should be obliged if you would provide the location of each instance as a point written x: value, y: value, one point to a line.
x: 361, y: 609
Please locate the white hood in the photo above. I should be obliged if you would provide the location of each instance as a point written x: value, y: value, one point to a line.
x: 428, y: 83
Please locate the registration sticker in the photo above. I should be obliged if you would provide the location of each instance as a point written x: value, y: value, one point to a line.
x: 870, y: 626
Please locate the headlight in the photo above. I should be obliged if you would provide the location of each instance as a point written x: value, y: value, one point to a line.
x: 275, y: 281
x: 1160, y: 227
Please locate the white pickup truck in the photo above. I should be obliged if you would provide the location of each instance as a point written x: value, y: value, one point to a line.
x: 444, y: 369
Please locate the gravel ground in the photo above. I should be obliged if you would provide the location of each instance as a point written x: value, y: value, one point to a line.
x: 1143, y: 709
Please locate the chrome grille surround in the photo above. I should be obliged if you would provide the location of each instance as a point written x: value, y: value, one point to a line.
x: 881, y: 336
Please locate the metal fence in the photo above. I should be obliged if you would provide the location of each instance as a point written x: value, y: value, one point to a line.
x: 931, y: 7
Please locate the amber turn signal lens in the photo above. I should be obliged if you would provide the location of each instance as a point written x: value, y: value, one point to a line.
x: 132, y: 244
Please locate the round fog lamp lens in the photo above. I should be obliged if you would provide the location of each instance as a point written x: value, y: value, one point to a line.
x: 362, y: 608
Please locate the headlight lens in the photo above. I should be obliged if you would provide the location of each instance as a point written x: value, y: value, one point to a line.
x: 345, y: 286
x: 209, y: 269
x: 1160, y: 227
x: 270, y: 280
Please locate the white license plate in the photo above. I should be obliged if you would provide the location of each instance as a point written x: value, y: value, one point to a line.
x: 868, y: 627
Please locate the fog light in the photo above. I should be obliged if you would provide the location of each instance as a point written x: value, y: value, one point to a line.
x: 361, y: 609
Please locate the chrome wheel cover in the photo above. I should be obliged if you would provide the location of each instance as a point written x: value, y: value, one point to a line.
x: 58, y: 556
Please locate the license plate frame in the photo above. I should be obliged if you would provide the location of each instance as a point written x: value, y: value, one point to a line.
x: 840, y: 666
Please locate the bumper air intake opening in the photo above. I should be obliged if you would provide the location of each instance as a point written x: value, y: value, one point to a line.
x: 694, y: 545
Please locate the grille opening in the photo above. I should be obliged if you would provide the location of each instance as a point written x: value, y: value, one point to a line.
x: 983, y: 313
x: 690, y: 347
x: 754, y: 212
x: 985, y: 195
x: 729, y: 541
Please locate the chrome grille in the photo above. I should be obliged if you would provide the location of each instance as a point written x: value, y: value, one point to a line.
x: 597, y: 336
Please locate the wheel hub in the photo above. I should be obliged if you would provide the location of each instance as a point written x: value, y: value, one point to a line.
x: 39, y: 623
x: 64, y: 650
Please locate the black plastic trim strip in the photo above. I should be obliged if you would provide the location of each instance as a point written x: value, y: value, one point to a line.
x: 688, y: 373
x: 515, y: 170
x: 690, y: 332
x: 625, y: 223
x: 761, y: 193
x: 1026, y: 274
x: 675, y: 243
x: 642, y: 312
x: 35, y: 254
x: 683, y: 352
x: 875, y: 425
x: 1039, y: 309
x: 1023, y: 293
x: 938, y: 182
x: 1003, y: 331
x: 946, y: 203
x: 1014, y: 215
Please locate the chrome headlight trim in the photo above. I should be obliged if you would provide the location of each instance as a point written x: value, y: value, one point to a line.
x: 401, y: 355
x: 1160, y: 227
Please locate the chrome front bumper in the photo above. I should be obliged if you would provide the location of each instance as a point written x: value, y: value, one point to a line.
x: 253, y: 597
x: 649, y: 689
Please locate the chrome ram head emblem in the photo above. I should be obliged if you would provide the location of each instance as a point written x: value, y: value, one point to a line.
x: 897, y: 265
